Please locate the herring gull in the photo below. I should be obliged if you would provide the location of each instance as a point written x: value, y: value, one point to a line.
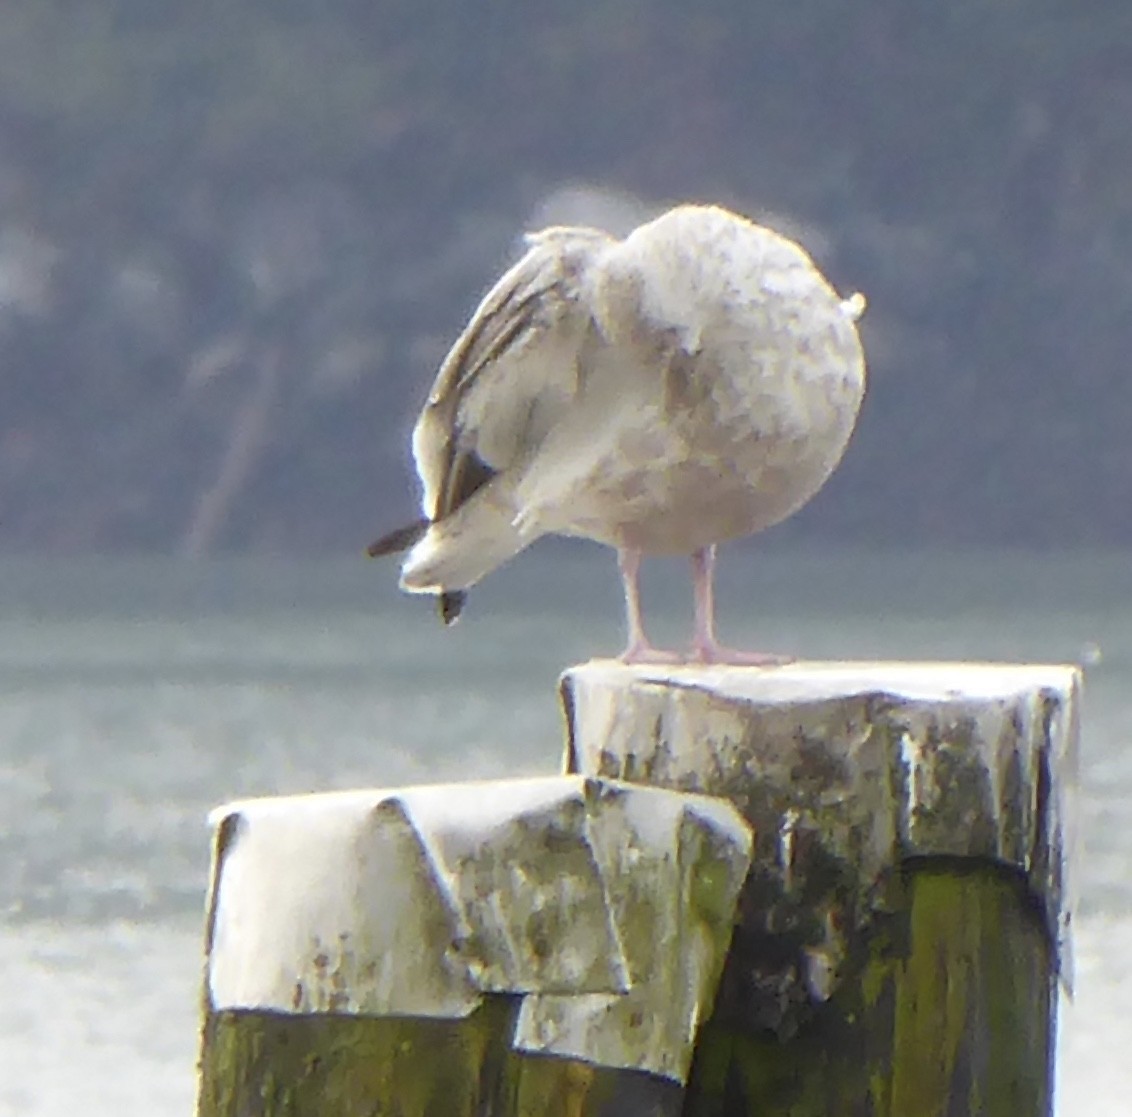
x: 694, y: 382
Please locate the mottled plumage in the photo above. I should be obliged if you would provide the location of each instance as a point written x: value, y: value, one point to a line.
x: 692, y: 383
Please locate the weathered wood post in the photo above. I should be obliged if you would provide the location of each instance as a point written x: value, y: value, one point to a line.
x: 907, y: 912
x: 521, y: 948
x: 554, y: 947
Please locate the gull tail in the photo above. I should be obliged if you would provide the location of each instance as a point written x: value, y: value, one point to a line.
x: 450, y: 605
x: 399, y: 540
x: 454, y: 553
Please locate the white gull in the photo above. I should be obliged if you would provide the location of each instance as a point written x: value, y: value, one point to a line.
x: 695, y: 382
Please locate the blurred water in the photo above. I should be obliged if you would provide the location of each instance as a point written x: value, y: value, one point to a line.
x: 135, y: 696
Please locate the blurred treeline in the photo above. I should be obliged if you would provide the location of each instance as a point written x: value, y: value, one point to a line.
x: 237, y: 235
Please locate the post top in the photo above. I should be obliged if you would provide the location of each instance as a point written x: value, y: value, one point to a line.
x: 817, y: 680
x: 606, y: 906
x: 858, y: 765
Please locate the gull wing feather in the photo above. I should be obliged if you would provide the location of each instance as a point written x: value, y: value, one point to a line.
x: 511, y: 373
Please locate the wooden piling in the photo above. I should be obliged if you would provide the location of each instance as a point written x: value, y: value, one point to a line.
x: 907, y: 913
x: 807, y: 890
x: 517, y: 948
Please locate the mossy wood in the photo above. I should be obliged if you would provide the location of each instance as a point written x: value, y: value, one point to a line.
x: 907, y: 912
x: 277, y: 1065
x: 947, y: 1009
x: 512, y: 947
x: 897, y: 941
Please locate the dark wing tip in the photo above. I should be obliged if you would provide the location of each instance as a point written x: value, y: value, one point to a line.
x: 450, y: 605
x: 400, y: 540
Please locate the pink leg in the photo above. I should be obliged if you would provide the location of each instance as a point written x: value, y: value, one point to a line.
x: 705, y: 647
x: 638, y: 650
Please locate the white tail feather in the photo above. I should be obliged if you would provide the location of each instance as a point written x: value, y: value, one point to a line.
x: 459, y: 550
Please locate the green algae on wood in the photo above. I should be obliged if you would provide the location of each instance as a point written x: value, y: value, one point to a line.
x: 975, y: 999
x: 278, y: 1065
x: 544, y: 1086
x: 265, y: 1064
x: 946, y: 1010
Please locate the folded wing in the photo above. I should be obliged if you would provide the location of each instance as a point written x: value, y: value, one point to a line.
x: 508, y: 380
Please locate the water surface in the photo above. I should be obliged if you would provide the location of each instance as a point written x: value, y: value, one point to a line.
x: 135, y: 696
